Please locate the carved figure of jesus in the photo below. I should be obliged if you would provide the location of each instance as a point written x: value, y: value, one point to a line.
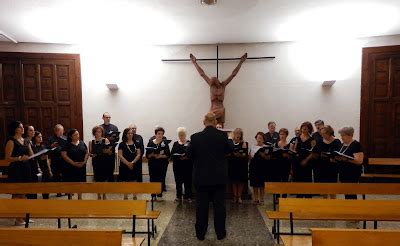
x: 217, y: 88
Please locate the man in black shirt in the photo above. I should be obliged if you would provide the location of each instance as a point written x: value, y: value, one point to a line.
x: 271, y: 137
x: 57, y: 141
x: 112, y: 134
x: 208, y: 149
x: 318, y: 126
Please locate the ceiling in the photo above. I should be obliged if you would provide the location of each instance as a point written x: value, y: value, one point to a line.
x: 188, y: 22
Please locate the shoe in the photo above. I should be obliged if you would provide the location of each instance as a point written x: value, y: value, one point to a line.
x: 159, y: 195
x: 221, y: 237
x: 189, y: 200
x: 200, y: 238
x: 240, y: 201
x: 178, y: 199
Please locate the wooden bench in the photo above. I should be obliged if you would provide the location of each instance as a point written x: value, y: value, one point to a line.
x: 3, y: 164
x: 65, y: 237
x: 96, y: 187
x: 295, y: 188
x: 79, y: 209
x: 377, y: 164
x: 347, y: 237
x: 333, y: 209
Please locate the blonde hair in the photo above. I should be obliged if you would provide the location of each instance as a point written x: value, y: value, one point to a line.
x: 181, y: 129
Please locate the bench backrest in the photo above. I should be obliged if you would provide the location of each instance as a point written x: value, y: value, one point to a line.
x: 72, y: 208
x: 347, y: 237
x: 4, y: 163
x: 332, y: 188
x: 61, y: 237
x: 96, y: 187
x: 384, y: 161
x: 381, y: 209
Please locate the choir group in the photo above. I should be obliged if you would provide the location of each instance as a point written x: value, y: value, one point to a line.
x: 311, y: 156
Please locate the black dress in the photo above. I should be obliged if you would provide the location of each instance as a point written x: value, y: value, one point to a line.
x: 238, y: 166
x: 76, y: 153
x: 140, y: 144
x: 349, y: 172
x: 257, y: 167
x: 103, y: 164
x: 325, y: 170
x: 182, y: 169
x: 302, y: 173
x: 42, y: 162
x: 282, y: 161
x: 157, y: 167
x: 57, y: 162
x: 19, y: 171
x: 129, y: 152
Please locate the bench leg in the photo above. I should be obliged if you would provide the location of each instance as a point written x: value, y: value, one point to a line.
x: 291, y: 223
x: 133, y: 225
x: 375, y: 224
x: 277, y: 231
x: 148, y: 232
x: 69, y: 222
x: 153, y: 228
x: 27, y: 220
x: 59, y: 223
x: 364, y: 224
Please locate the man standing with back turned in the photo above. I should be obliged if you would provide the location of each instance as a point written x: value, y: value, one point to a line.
x: 210, y: 175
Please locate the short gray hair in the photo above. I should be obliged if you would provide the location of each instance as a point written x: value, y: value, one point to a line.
x: 181, y: 129
x: 347, y: 130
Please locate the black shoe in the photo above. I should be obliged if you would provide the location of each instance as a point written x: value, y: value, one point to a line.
x: 200, y: 238
x: 159, y: 195
x: 221, y: 237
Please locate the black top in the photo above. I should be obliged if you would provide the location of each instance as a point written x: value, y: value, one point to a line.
x: 41, y: 162
x: 271, y: 139
x: 76, y: 153
x: 128, y: 151
x: 326, y: 150
x: 98, y: 147
x: 58, y: 142
x: 208, y: 150
x: 354, y: 147
x: 108, y: 132
x: 162, y: 148
x: 19, y: 149
x: 303, y: 149
x: 179, y: 150
x: 140, y: 144
x: 317, y: 136
x: 109, y: 128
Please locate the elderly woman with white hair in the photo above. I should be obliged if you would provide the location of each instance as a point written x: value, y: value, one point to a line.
x: 349, y: 167
x: 182, y: 166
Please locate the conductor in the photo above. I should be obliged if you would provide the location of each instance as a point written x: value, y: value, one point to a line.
x: 210, y: 174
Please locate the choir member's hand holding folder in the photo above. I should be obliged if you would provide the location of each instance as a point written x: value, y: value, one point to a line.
x: 341, y: 156
x: 42, y: 152
x: 265, y: 152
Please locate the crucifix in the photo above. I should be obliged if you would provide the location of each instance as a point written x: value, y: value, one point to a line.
x: 217, y: 88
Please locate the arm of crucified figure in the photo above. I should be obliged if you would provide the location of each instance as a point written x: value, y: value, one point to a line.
x: 235, y: 71
x: 200, y: 70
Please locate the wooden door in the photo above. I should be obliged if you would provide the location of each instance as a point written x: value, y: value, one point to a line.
x: 40, y: 90
x: 380, y: 101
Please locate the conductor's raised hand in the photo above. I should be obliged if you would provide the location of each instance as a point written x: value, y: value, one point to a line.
x: 244, y: 57
x: 192, y: 57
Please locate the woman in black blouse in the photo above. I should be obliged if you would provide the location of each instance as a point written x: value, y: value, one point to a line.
x: 302, y: 169
x: 42, y: 161
x: 281, y: 157
x: 157, y: 153
x: 349, y: 169
x: 182, y: 166
x: 75, y: 155
x: 17, y: 153
x: 128, y: 154
x: 325, y: 170
x: 238, y: 164
x: 29, y: 132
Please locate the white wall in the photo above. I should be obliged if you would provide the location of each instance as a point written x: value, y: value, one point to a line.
x: 287, y: 89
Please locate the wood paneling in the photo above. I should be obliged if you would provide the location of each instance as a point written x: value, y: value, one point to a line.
x: 380, y: 101
x: 41, y: 90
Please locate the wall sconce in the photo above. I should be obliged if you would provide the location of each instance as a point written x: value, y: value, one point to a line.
x: 328, y: 83
x: 112, y: 87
